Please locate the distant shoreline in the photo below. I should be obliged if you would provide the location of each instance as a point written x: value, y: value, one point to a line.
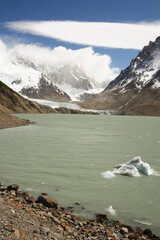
x: 9, y: 121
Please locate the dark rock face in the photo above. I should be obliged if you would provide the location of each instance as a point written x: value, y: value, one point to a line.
x: 46, y: 90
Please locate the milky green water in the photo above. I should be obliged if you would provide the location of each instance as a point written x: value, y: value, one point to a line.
x: 64, y: 155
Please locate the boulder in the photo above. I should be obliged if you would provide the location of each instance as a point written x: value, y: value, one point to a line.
x: 148, y: 232
x: 47, y: 201
x: 14, y: 187
x: 101, y: 217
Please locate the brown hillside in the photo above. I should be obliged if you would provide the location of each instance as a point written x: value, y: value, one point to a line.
x: 12, y: 102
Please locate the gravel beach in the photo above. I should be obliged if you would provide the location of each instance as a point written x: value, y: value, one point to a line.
x: 24, y: 217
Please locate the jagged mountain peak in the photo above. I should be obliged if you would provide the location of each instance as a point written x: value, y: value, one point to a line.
x: 136, y: 90
x: 68, y: 79
x: 45, y: 90
x: 142, y: 71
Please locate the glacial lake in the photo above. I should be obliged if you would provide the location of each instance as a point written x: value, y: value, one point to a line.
x: 65, y: 155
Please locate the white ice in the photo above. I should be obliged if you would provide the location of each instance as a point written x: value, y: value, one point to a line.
x: 111, y: 210
x: 108, y: 174
x: 134, y: 168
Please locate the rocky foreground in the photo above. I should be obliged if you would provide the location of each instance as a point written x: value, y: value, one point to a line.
x: 24, y: 217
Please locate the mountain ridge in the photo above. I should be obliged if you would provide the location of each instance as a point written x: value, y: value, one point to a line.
x: 136, y: 90
x: 63, y: 82
x: 12, y: 102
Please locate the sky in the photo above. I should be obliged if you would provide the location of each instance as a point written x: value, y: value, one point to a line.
x: 110, y: 32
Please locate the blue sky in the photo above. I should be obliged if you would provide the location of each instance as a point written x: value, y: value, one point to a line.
x: 113, y: 11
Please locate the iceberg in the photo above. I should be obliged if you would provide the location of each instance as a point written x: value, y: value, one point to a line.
x: 108, y: 174
x: 127, y: 170
x: 134, y: 168
x: 111, y: 210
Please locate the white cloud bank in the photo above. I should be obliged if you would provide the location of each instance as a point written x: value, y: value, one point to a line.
x: 95, y: 65
x: 103, y: 34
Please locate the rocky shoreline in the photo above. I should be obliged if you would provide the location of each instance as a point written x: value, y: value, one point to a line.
x: 8, y: 121
x: 24, y: 217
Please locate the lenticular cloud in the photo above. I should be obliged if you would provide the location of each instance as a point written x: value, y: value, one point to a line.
x: 102, y: 34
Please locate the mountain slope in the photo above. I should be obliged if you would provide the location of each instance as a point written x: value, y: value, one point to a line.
x: 45, y: 90
x: 12, y: 102
x: 136, y: 90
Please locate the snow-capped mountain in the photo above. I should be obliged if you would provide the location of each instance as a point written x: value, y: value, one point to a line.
x: 143, y: 71
x: 136, y: 90
x: 46, y: 81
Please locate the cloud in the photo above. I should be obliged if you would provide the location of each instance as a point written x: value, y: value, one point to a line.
x: 3, y: 53
x: 95, y: 65
x: 102, y: 34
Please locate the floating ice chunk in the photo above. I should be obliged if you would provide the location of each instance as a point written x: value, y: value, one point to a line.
x: 111, y: 210
x: 127, y: 170
x: 108, y: 174
x: 134, y: 168
x: 141, y: 166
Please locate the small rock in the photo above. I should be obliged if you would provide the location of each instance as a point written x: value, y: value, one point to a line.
x: 13, y: 193
x: 13, y: 187
x: 8, y: 228
x: 101, y: 217
x: 49, y: 214
x: 31, y: 200
x: 109, y: 233
x: 56, y: 220
x: 80, y: 224
x: 34, y: 205
x: 134, y: 236
x: 130, y: 229
x: 19, y: 234
x: 25, y: 193
x: 124, y: 230
x: 45, y: 230
x: 47, y: 201
x: 31, y: 212
x: 65, y: 227
x: 148, y: 232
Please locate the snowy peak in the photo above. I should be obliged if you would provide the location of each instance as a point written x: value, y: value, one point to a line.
x: 62, y: 82
x: 143, y: 71
x: 136, y: 90
x: 45, y: 90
